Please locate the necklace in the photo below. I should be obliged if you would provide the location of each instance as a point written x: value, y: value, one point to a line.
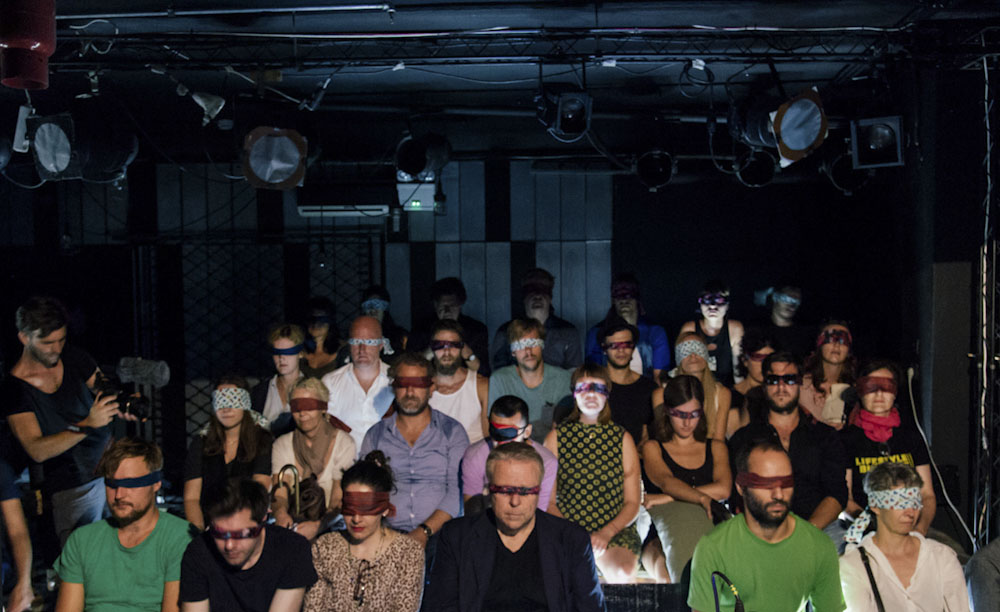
x: 364, y: 568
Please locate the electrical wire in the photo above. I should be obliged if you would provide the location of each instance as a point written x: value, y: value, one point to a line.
x: 89, y: 45
x: 984, y: 441
x: 21, y: 185
x: 944, y: 488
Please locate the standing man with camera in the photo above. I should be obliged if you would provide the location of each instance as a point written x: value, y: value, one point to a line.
x: 50, y: 407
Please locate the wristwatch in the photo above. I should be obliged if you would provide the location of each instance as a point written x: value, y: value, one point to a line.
x: 426, y: 529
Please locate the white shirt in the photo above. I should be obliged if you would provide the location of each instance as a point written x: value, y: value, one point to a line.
x: 463, y: 406
x: 274, y: 405
x: 937, y: 584
x: 352, y: 405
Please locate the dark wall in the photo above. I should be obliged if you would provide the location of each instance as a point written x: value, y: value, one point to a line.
x: 845, y: 251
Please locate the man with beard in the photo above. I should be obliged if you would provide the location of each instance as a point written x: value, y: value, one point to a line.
x: 770, y: 556
x: 815, y: 450
x: 562, y: 340
x: 51, y: 409
x: 424, y: 448
x: 514, y: 556
x: 458, y: 391
x: 541, y: 385
x: 132, y: 560
x: 240, y: 563
x: 448, y: 297
x: 359, y: 391
x: 631, y: 393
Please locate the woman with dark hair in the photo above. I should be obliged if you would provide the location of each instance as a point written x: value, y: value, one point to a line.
x: 828, y: 372
x: 682, y: 463
x: 874, y: 436
x: 235, y: 443
x: 323, y: 344
x: 598, y: 480
x: 367, y: 567
x: 722, y: 335
x: 748, y: 395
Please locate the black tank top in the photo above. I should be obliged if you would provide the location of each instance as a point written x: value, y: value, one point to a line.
x: 723, y: 354
x: 696, y: 477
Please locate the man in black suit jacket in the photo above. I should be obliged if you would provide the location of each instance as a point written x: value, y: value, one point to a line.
x: 514, y: 556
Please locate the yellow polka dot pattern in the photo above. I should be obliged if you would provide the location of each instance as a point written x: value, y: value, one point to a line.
x: 590, y: 483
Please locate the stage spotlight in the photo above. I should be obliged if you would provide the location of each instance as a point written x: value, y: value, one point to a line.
x: 796, y: 128
x: 877, y: 142
x: 655, y: 169
x: 52, y: 145
x: 421, y: 159
x: 274, y: 158
x: 755, y: 168
x: 95, y: 146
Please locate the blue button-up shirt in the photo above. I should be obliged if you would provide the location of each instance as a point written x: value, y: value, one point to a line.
x: 426, y: 473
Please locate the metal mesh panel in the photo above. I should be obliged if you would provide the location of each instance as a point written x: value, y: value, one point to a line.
x: 232, y: 294
x: 340, y: 270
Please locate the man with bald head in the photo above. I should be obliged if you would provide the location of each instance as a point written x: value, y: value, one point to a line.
x: 774, y: 559
x: 359, y: 391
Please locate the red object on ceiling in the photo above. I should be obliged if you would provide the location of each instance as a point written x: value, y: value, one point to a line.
x: 27, y: 39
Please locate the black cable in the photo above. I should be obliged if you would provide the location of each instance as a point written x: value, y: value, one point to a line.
x: 738, y: 607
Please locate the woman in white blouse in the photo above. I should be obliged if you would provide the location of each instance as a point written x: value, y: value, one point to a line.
x: 908, y: 573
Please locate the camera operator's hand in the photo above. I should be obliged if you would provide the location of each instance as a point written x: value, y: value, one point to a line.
x: 128, y: 416
x: 105, y: 409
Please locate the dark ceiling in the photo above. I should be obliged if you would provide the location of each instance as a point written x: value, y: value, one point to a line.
x: 354, y: 77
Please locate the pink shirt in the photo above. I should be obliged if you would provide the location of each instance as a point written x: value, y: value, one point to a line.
x: 474, y: 471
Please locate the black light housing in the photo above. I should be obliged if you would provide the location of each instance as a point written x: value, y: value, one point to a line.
x: 795, y: 127
x: 756, y: 168
x: 421, y: 159
x: 655, y: 169
x: 565, y: 114
x: 877, y: 142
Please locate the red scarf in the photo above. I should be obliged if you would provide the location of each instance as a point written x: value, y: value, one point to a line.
x: 878, y: 428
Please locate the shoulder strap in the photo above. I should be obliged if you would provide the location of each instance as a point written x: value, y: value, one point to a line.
x: 871, y: 579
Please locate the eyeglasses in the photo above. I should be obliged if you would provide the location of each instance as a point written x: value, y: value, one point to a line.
x: 359, y: 581
x: 440, y: 345
x: 617, y: 346
x: 772, y: 380
x: 713, y: 299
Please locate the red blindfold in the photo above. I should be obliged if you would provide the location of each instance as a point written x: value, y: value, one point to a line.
x: 418, y: 382
x: 756, y: 481
x: 368, y: 503
x: 301, y: 404
x: 871, y: 384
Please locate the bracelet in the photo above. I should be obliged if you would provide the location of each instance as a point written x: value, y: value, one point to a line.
x: 73, y: 427
x: 427, y: 530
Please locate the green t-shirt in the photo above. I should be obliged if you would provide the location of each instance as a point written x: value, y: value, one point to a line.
x: 779, y: 577
x: 541, y: 400
x: 116, y: 578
